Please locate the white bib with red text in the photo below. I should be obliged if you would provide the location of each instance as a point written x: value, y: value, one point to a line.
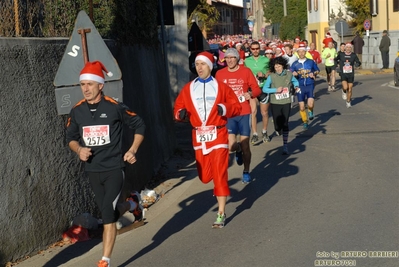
x: 206, y: 133
x: 96, y: 135
x: 283, y: 95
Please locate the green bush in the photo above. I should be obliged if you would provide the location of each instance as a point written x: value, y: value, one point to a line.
x: 128, y: 21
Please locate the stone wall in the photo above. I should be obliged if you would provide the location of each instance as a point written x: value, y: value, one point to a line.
x: 42, y: 182
x: 371, y: 53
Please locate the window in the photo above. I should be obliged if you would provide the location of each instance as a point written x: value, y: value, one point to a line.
x: 310, y: 5
x: 395, y: 5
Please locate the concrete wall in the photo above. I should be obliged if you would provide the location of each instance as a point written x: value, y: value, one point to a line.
x: 42, y: 182
x: 371, y: 53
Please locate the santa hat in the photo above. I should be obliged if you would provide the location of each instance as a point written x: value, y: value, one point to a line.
x: 238, y: 44
x: 269, y: 51
x: 207, y: 58
x: 348, y: 44
x: 279, y: 48
x: 302, y: 46
x: 93, y: 71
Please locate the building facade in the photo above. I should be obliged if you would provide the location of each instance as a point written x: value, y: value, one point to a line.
x: 230, y: 21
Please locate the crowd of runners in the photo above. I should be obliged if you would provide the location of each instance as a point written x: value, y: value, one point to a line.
x: 268, y: 74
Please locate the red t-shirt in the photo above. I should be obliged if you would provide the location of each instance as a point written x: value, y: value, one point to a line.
x: 240, y: 80
x: 316, y: 56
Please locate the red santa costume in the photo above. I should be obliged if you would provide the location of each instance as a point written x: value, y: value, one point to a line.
x: 202, y: 99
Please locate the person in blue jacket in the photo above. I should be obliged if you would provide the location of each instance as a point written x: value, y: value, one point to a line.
x: 278, y: 84
x: 305, y: 70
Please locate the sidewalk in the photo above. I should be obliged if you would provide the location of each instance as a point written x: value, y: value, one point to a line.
x: 360, y: 71
x: 171, y: 176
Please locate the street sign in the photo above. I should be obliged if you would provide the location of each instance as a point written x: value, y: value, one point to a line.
x: 86, y: 44
x: 341, y: 27
x: 196, y: 41
x: 367, y: 24
x: 73, y: 60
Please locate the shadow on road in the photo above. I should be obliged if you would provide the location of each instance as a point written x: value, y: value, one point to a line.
x: 71, y: 252
x: 192, y: 209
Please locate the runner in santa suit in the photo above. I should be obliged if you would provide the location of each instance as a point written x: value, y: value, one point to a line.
x: 207, y: 103
x: 240, y: 79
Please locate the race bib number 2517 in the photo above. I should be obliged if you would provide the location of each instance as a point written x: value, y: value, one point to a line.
x: 206, y: 134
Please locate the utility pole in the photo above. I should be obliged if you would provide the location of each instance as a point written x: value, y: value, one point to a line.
x: 16, y: 14
x: 285, y: 7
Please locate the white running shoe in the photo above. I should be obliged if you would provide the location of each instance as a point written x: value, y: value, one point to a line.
x: 343, y: 95
x: 348, y: 104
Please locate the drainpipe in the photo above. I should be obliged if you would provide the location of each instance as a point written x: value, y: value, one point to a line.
x: 387, y: 17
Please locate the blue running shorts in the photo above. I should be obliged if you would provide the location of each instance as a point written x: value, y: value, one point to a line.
x: 307, y: 91
x: 239, y: 125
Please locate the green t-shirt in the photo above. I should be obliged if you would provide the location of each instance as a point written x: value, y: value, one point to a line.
x: 261, y: 64
x: 329, y: 60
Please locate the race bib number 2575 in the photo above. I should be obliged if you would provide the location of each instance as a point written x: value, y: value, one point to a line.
x: 96, y: 135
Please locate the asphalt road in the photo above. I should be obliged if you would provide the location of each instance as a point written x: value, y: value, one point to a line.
x: 335, y: 197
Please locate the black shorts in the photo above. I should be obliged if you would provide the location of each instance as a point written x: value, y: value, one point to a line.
x: 281, y: 115
x: 329, y: 69
x: 349, y: 78
x: 107, y: 187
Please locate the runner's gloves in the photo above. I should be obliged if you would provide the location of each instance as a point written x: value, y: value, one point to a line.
x: 183, y: 114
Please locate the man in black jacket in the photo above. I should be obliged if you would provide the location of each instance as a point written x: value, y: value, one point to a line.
x: 358, y: 44
x: 94, y: 132
x: 384, y: 48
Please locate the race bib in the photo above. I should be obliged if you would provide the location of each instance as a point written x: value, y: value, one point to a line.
x: 240, y: 95
x: 331, y: 60
x: 347, y: 68
x: 284, y: 94
x: 96, y: 135
x: 206, y: 133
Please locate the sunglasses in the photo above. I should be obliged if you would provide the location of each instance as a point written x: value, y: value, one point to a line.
x: 257, y: 48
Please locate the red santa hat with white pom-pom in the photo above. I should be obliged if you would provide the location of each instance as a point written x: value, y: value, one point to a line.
x: 94, y: 71
x: 207, y: 57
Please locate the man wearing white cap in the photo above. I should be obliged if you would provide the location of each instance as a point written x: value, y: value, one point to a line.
x: 94, y: 132
x: 207, y: 103
x: 347, y: 61
x: 240, y: 79
x: 305, y: 70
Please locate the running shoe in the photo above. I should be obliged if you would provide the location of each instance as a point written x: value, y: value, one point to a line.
x: 254, y: 139
x: 138, y: 211
x: 277, y: 133
x: 333, y: 88
x: 348, y: 104
x: 343, y: 95
x: 220, y: 219
x: 265, y: 138
x: 305, y: 126
x: 102, y: 263
x: 285, y: 150
x: 246, y: 178
x: 330, y: 88
x: 310, y: 115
